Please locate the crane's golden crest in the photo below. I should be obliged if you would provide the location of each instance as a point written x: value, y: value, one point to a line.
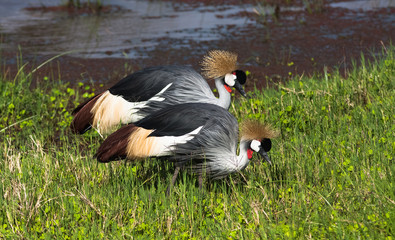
x: 217, y: 63
x: 253, y: 129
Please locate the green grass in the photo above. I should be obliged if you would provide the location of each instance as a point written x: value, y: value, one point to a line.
x: 332, y: 173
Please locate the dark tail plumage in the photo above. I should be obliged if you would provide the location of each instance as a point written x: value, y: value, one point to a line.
x: 115, y: 145
x: 83, y: 117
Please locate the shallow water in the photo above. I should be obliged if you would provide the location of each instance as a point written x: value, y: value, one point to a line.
x: 137, y: 24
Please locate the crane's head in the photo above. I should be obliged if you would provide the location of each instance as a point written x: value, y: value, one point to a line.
x: 260, y: 146
x: 258, y: 137
x: 223, y: 64
x: 236, y: 79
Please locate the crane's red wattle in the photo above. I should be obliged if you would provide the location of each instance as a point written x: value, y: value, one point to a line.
x: 228, y: 88
x: 249, y: 153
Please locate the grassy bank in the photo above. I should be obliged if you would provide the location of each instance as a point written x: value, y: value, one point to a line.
x: 332, y: 173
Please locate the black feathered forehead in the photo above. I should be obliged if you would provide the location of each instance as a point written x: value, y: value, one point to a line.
x: 241, y: 76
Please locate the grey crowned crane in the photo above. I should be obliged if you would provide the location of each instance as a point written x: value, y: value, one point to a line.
x: 197, y: 136
x: 154, y: 88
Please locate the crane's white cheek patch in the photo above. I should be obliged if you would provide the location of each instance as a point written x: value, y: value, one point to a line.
x: 110, y: 110
x: 230, y: 79
x: 141, y: 146
x: 255, y: 145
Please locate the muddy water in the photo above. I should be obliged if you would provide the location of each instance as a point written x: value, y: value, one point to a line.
x: 273, y: 41
x: 131, y: 25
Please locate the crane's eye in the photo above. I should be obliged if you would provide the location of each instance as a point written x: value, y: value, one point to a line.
x: 230, y: 79
x: 255, y: 145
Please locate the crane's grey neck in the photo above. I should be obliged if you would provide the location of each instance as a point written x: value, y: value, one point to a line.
x: 242, y: 158
x: 224, y: 99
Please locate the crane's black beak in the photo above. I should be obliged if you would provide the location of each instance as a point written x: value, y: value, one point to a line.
x: 265, y: 156
x: 240, y: 88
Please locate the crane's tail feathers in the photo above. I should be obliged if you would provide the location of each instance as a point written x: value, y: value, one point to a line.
x: 115, y: 146
x: 83, y: 117
x: 77, y: 109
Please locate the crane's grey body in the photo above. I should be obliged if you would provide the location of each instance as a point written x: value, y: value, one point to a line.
x: 197, y: 136
x: 145, y: 92
x: 154, y: 88
x: 213, y: 149
x: 184, y: 84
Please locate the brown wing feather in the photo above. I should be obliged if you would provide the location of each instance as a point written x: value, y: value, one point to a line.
x: 116, y: 144
x: 83, y: 117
